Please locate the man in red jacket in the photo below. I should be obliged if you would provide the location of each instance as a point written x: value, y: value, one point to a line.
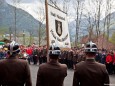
x: 29, y: 52
x: 109, y: 62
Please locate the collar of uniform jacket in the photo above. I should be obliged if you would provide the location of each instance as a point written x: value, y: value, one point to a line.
x: 90, y: 59
x: 53, y: 62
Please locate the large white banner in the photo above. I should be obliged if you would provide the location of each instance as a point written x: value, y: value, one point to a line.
x: 58, y: 28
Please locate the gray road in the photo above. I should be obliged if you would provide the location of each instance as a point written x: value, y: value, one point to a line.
x: 68, y: 79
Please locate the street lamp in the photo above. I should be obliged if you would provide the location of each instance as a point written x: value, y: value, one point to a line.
x: 23, y: 37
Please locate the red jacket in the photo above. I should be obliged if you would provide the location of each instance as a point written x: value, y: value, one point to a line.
x: 29, y: 51
x: 114, y: 59
x: 109, y: 58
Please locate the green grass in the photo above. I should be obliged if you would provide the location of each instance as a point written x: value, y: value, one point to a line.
x: 3, y: 30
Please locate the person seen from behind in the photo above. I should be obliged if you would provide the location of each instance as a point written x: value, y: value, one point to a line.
x: 14, y: 71
x: 90, y: 72
x: 52, y: 73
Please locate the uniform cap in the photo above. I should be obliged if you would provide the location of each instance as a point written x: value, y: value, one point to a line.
x: 91, y: 47
x: 54, y: 50
x: 13, y: 48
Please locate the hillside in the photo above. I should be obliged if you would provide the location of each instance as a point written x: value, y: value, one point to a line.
x: 24, y: 21
x: 84, y: 24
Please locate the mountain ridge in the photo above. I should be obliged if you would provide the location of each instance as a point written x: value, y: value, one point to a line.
x: 24, y: 21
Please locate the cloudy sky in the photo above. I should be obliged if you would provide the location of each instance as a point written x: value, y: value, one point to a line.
x: 23, y: 1
x: 33, y: 6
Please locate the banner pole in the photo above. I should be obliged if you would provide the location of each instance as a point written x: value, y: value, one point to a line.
x: 47, y: 28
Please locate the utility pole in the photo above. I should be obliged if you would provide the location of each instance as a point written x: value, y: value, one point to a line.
x: 15, y: 22
x: 23, y: 37
x: 10, y: 34
x: 39, y: 34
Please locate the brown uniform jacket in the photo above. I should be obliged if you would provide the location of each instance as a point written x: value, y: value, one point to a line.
x: 90, y: 73
x: 14, y: 72
x: 51, y: 74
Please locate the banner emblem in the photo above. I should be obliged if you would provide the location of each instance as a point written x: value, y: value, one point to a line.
x: 58, y: 27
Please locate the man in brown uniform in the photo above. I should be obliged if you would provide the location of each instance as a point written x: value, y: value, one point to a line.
x: 52, y: 73
x: 14, y: 71
x: 90, y: 72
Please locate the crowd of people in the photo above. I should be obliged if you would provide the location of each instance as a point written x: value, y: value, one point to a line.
x: 84, y: 61
x: 38, y: 55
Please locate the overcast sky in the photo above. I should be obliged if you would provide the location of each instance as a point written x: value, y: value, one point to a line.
x: 33, y: 6
x: 23, y: 1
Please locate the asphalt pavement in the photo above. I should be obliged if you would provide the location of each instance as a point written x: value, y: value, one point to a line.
x: 68, y: 80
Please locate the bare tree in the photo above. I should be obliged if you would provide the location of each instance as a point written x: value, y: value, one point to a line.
x: 90, y: 16
x: 98, y: 5
x: 89, y: 24
x: 66, y: 6
x: 78, y: 7
x: 41, y: 18
x: 94, y: 17
x: 100, y: 8
x: 107, y: 22
x: 30, y: 36
x: 16, y: 3
x: 54, y: 3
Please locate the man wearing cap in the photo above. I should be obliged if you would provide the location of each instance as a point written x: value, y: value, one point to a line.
x: 52, y: 73
x: 90, y: 72
x: 14, y: 71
